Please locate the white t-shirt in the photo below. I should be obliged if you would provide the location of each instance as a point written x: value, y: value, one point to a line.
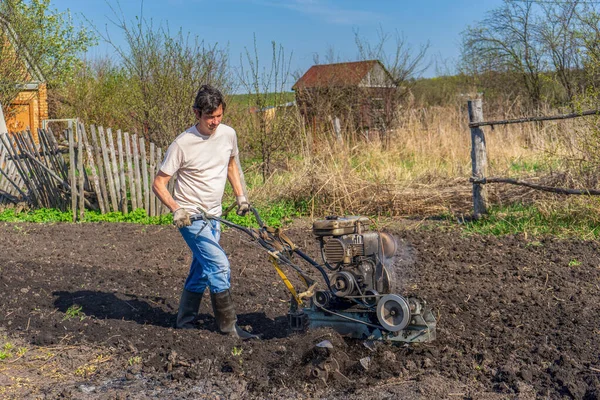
x: 200, y: 162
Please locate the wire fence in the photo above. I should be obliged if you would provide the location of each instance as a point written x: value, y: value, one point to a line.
x: 479, y: 176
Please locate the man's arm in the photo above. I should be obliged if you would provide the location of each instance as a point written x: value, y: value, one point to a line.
x: 159, y: 187
x: 233, y: 174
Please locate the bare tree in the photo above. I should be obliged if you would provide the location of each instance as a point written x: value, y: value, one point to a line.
x: 589, y: 20
x: 507, y: 41
x: 404, y: 63
x: 271, y: 125
x: 562, y: 42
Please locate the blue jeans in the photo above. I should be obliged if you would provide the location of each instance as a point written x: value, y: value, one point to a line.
x: 210, y: 266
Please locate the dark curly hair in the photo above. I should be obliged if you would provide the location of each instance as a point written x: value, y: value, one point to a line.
x: 208, y: 100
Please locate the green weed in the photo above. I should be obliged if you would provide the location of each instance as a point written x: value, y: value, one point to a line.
x: 525, y: 166
x: 237, y: 351
x: 6, y: 351
x: 134, y: 360
x: 74, y: 312
x: 574, y: 263
x: 531, y: 220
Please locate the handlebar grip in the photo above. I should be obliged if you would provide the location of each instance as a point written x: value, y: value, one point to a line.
x: 258, y: 219
x: 228, y: 209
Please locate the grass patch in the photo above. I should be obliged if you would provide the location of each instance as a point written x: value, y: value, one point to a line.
x: 50, y: 215
x: 5, y: 351
x: 561, y: 220
x: 271, y: 99
x: 276, y: 214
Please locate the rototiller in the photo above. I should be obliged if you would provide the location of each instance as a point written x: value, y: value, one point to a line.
x: 357, y: 296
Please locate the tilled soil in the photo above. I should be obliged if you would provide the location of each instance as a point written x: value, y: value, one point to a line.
x: 517, y: 318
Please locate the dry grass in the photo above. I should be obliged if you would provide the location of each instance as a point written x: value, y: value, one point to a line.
x: 426, y: 169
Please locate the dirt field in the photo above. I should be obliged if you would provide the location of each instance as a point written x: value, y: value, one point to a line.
x: 517, y: 318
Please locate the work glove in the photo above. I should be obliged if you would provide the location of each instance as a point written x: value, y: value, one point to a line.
x: 181, y: 218
x: 243, y: 205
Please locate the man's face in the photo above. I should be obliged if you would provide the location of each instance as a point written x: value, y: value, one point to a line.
x: 208, y: 122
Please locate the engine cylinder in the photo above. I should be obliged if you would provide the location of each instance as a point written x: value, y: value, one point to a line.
x: 334, y: 250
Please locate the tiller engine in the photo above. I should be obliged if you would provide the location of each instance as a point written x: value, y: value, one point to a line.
x: 357, y: 297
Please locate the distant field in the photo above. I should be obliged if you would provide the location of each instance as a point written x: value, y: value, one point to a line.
x: 271, y: 98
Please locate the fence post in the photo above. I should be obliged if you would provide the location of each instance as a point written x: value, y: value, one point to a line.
x: 478, y: 158
x: 72, y: 176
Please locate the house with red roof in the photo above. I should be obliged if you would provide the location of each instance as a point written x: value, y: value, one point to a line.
x: 361, y: 95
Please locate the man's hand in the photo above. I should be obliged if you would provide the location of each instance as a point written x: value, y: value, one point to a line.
x: 243, y: 205
x: 181, y: 218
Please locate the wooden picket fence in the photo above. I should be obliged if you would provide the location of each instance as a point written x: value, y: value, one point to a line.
x: 90, y: 169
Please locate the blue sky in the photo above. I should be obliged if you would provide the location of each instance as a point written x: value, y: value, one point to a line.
x: 303, y: 27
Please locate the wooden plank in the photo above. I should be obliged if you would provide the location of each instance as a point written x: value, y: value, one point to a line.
x: 12, y: 151
x: 92, y: 166
x: 12, y: 182
x: 81, y: 180
x: 72, y: 175
x: 136, y: 168
x: 13, y: 173
x: 130, y: 172
x: 108, y: 171
x: 43, y: 154
x: 47, y: 185
x: 159, y: 206
x: 3, y: 179
x: 64, y: 183
x: 9, y: 183
x: 64, y: 168
x: 123, y: 188
x: 56, y: 160
x: 99, y: 162
x: 144, y: 168
x: 31, y: 169
x: 475, y: 124
x: 152, y: 167
x: 114, y: 167
x: 12, y: 176
x: 478, y: 158
x: 584, y: 192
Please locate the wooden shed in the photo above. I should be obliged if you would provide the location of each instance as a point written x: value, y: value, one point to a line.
x: 361, y: 94
x: 30, y: 107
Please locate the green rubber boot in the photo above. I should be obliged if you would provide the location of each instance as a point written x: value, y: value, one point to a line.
x: 225, y: 315
x: 188, y: 309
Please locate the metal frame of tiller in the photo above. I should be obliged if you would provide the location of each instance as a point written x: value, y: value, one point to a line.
x: 400, y: 319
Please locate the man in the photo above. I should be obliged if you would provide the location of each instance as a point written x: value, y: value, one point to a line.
x: 203, y: 157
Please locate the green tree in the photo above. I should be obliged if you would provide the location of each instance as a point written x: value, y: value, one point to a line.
x: 31, y: 32
x: 163, y: 72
